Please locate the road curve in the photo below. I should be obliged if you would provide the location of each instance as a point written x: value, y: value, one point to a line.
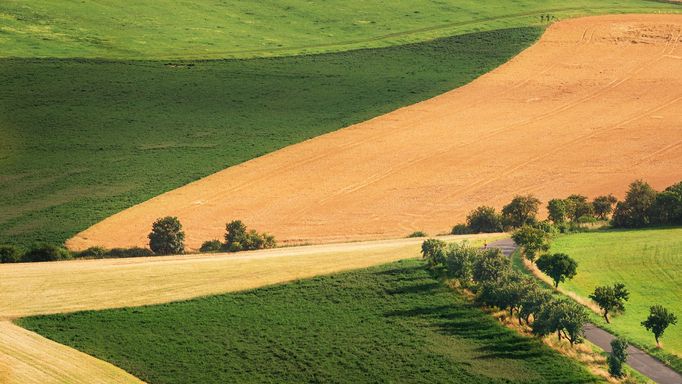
x: 639, y: 360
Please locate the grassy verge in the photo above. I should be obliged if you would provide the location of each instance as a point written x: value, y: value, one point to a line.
x: 84, y: 139
x: 219, y: 29
x: 393, y: 323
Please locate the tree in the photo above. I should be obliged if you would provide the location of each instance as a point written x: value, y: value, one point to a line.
x: 659, y: 319
x: 211, y: 246
x: 610, y: 299
x: 505, y: 293
x: 491, y: 265
x: 577, y: 207
x: 520, y: 211
x: 484, y: 220
x: 558, y: 266
x: 603, y: 206
x: 433, y: 251
x: 617, y: 357
x: 556, y: 211
x: 459, y: 261
x: 635, y: 210
x: 167, y: 237
x: 460, y: 229
x: 533, y: 301
x: 235, y: 235
x: 563, y: 316
x: 532, y: 240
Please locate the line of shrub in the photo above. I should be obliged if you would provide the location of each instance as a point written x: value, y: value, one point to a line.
x: 48, y: 252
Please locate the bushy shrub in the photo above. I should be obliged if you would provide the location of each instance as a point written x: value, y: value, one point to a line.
x: 129, y: 252
x: 46, y: 252
x: 460, y: 229
x: 237, y: 238
x: 92, y: 252
x: 167, y: 237
x: 211, y: 246
x: 10, y: 254
x: 484, y: 220
x: 417, y: 234
x: 433, y: 251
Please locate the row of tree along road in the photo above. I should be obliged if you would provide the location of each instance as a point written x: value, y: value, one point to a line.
x: 490, y: 276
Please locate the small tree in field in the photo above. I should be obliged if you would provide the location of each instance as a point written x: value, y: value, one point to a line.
x: 167, y: 237
x: 520, y: 211
x: 558, y: 266
x: 556, y: 211
x: 603, y: 206
x: 610, y: 299
x: 491, y: 265
x: 577, y: 206
x: 617, y: 357
x: 484, y: 219
x: 532, y: 240
x: 659, y: 319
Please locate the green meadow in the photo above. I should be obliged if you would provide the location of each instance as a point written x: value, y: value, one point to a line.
x: 203, y: 29
x: 392, y: 323
x: 84, y: 139
x: 648, y: 262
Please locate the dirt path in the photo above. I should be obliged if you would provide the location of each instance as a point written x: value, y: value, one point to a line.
x: 596, y: 103
x: 641, y: 361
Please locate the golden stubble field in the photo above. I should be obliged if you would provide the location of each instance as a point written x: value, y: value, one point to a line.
x: 596, y: 103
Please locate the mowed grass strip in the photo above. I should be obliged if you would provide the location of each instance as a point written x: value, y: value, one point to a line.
x: 84, y: 139
x: 648, y: 261
x: 219, y: 29
x: 393, y: 323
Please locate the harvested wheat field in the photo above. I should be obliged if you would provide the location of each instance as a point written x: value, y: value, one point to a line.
x: 28, y: 358
x: 596, y: 103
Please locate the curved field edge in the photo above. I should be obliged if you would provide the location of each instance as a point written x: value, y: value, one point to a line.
x: 212, y: 29
x: 84, y: 139
x: 393, y: 322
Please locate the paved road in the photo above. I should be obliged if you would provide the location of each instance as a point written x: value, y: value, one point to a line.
x: 637, y: 359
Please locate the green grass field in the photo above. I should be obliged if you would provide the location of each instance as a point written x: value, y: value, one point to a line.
x: 393, y: 323
x: 84, y: 139
x: 220, y: 29
x: 648, y: 261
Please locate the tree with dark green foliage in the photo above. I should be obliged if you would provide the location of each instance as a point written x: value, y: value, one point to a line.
x: 237, y: 238
x: 667, y: 209
x: 531, y: 240
x: 603, y: 206
x: 611, y: 299
x: 459, y: 261
x: 520, y: 211
x: 484, y: 219
x: 617, y: 357
x: 10, y: 254
x: 558, y: 266
x: 491, y: 265
x: 658, y: 321
x: 211, y: 246
x: 433, y: 251
x: 564, y: 317
x: 167, y: 237
x: 635, y: 210
x: 460, y: 229
x: 533, y: 301
x: 504, y: 293
x: 556, y: 211
x: 46, y: 252
x: 577, y: 206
